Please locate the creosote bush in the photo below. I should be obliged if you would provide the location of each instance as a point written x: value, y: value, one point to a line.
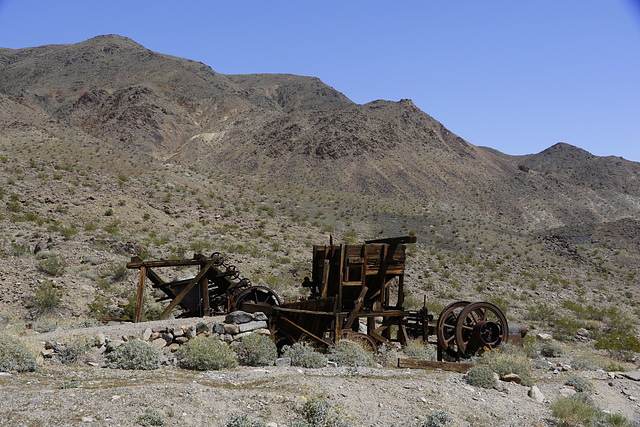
x: 481, y: 376
x: 51, y: 264
x: 15, y: 356
x: 350, y: 353
x: 256, y: 350
x: 205, y: 353
x: 135, y: 354
x: 304, y: 355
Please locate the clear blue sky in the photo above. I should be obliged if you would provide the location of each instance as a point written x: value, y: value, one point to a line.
x: 513, y: 75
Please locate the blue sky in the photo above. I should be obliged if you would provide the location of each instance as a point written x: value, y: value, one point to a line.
x: 517, y: 76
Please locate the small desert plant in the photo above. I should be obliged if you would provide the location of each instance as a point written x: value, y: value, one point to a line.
x: 438, y: 418
x: 114, y: 273
x: 242, y: 420
x: 47, y: 297
x: 350, y: 353
x: 507, y: 362
x: 45, y: 325
x: 135, y: 354
x: 481, y: 376
x: 579, y: 384
x: 73, y: 350
x: 565, y: 327
x: 573, y: 411
x: 151, y: 417
x: 418, y: 350
x: 52, y: 265
x: 302, y: 354
x: 583, y: 363
x: 15, y: 356
x: 204, y: 353
x: 551, y: 349
x: 69, y: 384
x: 256, y: 350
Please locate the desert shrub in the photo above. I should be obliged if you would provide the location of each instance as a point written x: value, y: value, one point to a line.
x: 621, y: 344
x: 44, y: 325
x: 551, y: 349
x: 542, y: 312
x: 69, y: 384
x: 503, y: 363
x: 481, y: 376
x: 564, y: 328
x: 52, y: 264
x: 114, y: 273
x: 438, y: 418
x: 583, y: 363
x: 135, y: 354
x: 73, y: 350
x: 47, y: 297
x: 317, y: 413
x: 15, y: 356
x: 416, y: 349
x: 205, y: 353
x: 242, y: 420
x: 573, y: 411
x: 302, y: 354
x: 350, y: 353
x: 151, y: 417
x: 256, y: 350
x: 87, y: 323
x: 579, y: 384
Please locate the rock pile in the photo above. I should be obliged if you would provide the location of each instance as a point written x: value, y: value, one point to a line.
x: 168, y: 339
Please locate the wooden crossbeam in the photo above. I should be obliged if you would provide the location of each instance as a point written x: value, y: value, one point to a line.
x: 186, y: 290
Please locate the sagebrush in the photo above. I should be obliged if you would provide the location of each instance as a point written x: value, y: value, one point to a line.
x: 206, y: 353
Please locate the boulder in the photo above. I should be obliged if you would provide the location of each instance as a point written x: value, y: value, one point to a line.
x: 238, y: 317
x: 251, y: 326
x: 146, y: 334
x: 536, y: 394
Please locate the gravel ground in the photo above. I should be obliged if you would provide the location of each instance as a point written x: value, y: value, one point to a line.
x: 364, y: 396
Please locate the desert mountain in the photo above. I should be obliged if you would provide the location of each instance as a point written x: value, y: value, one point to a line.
x: 297, y: 131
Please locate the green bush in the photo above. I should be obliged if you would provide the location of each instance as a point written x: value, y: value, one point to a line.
x: 47, y: 297
x: 205, y: 353
x: 53, y: 265
x: 45, y: 325
x: 416, y: 349
x: 438, y: 418
x: 350, y: 353
x: 256, y: 350
x: 579, y: 384
x: 302, y: 354
x: 507, y: 362
x: 135, y: 354
x: 583, y: 363
x: 151, y: 417
x: 621, y: 344
x: 551, y: 349
x: 15, y: 356
x: 564, y: 328
x: 317, y: 413
x: 481, y: 376
x: 574, y: 411
x: 242, y: 420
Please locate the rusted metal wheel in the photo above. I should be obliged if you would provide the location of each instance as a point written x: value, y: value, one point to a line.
x: 232, y: 272
x: 256, y: 295
x: 446, y: 327
x: 365, y: 341
x: 480, y: 324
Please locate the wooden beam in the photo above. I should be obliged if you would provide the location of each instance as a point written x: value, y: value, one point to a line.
x: 356, y: 309
x: 172, y: 262
x: 326, y: 266
x: 301, y: 329
x: 140, y: 295
x: 432, y: 364
x: 185, y: 291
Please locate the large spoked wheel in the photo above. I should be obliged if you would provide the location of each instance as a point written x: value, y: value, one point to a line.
x: 446, y: 327
x: 480, y: 324
x: 365, y: 341
x: 260, y: 295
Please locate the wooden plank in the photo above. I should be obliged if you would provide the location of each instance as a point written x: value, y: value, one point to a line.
x: 356, y: 309
x: 204, y: 285
x: 185, y: 291
x: 340, y: 277
x: 301, y: 329
x: 140, y: 296
x: 155, y: 279
x: 325, y: 278
x: 432, y: 364
x: 171, y: 262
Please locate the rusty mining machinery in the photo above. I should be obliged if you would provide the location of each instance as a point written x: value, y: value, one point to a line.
x: 356, y: 292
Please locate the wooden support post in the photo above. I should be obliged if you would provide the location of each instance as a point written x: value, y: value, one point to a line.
x: 185, y: 291
x: 204, y: 286
x: 356, y: 309
x: 140, y: 295
x: 340, y: 276
x: 326, y: 266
